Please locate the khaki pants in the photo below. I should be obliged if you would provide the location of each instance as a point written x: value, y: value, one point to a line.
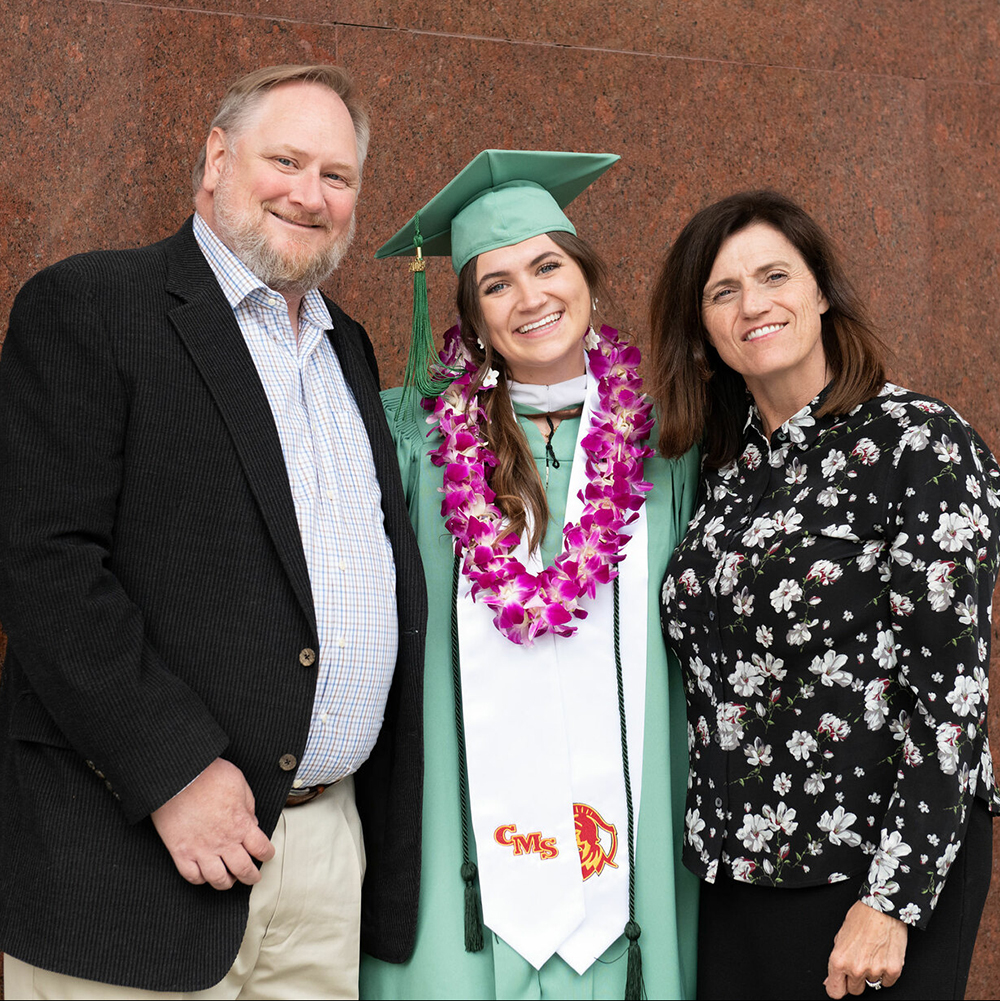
x: 303, y: 934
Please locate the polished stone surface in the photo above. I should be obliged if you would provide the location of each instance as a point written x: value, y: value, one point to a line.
x: 882, y: 118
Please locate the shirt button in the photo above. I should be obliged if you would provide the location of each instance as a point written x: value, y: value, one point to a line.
x: 342, y: 564
x: 287, y: 762
x: 272, y: 302
x: 297, y: 784
x: 341, y: 642
x: 307, y: 657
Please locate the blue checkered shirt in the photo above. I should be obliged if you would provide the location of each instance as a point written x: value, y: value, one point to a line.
x: 338, y: 505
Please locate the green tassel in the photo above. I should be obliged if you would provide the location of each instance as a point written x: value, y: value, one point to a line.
x: 473, y: 923
x: 635, y: 990
x: 422, y: 350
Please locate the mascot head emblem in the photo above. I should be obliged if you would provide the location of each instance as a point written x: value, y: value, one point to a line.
x: 596, y: 839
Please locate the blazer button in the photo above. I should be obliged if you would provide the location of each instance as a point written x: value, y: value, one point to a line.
x: 287, y: 762
x: 307, y: 657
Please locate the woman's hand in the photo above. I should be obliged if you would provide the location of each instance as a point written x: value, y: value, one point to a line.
x: 869, y: 946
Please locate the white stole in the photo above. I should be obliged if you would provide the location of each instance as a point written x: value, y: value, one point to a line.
x: 542, y: 733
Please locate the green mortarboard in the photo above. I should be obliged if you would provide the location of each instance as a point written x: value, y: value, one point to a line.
x: 502, y: 197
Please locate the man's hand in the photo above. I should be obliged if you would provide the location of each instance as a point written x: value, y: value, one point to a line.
x: 210, y: 828
x: 869, y: 946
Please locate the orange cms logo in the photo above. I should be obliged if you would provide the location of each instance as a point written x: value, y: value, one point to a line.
x: 525, y: 844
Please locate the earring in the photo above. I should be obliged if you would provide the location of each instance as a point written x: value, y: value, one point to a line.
x: 482, y: 347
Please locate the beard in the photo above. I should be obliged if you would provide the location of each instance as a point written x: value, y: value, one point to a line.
x: 295, y: 269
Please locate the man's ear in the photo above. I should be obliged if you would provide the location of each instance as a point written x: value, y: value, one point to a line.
x: 216, y: 151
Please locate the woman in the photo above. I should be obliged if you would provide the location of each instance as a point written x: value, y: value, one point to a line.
x: 544, y: 424
x: 830, y: 605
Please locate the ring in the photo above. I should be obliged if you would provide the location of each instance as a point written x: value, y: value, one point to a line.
x: 875, y: 985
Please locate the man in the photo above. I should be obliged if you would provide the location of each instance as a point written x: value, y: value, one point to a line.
x: 209, y: 582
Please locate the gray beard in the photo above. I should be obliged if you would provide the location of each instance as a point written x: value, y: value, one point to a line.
x: 244, y: 235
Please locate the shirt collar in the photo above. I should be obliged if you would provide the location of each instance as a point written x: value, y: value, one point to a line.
x: 239, y: 283
x: 802, y: 428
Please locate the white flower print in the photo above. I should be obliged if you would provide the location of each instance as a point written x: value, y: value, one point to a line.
x: 953, y: 532
x: 947, y: 450
x: 796, y: 472
x: 834, y: 463
x: 829, y: 667
x: 730, y: 571
x: 825, y: 571
x: 668, y: 591
x: 886, y: 861
x: 947, y: 746
x: 781, y: 818
x: 755, y: 833
x: 870, y: 554
x: 758, y: 753
x: 910, y: 914
x: 730, y: 729
x: 834, y: 727
x: 939, y: 587
x: 802, y: 744
x: 694, y: 825
x: 876, y: 704
x: 815, y: 783
x: 746, y: 679
x: 964, y: 697
x: 773, y: 667
x: 800, y: 633
x: 978, y: 519
x: 916, y: 438
x: 885, y: 649
x: 900, y: 604
x: 759, y: 532
x: 945, y: 861
x: 829, y: 496
x: 867, y: 451
x: 702, y: 674
x: 838, y: 827
x: 689, y: 581
x: 853, y: 703
x: 785, y: 594
x: 897, y: 553
x: 788, y: 521
x: 743, y: 602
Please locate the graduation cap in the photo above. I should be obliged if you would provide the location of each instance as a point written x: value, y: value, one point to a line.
x: 500, y: 198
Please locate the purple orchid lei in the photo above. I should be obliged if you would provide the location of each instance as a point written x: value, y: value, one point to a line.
x: 527, y: 605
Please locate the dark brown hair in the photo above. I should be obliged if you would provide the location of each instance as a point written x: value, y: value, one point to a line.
x: 701, y: 399
x: 515, y: 478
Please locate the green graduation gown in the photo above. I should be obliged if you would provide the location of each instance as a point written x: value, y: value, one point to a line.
x: 666, y: 893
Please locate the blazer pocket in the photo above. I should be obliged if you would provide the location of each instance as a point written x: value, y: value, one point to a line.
x: 31, y: 721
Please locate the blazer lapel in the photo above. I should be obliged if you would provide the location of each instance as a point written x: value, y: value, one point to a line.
x: 205, y: 322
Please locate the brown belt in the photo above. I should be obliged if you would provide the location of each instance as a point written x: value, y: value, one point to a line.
x: 305, y: 794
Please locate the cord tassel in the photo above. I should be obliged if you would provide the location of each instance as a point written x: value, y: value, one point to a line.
x: 635, y: 989
x: 422, y: 350
x: 473, y: 923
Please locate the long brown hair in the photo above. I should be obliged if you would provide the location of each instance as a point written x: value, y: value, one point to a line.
x: 515, y: 478
x: 700, y: 398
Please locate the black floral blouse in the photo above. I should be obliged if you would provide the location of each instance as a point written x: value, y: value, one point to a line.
x: 830, y: 605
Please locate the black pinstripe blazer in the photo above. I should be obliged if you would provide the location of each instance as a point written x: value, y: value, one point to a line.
x: 156, y: 598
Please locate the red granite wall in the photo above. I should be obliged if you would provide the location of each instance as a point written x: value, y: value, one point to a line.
x: 882, y: 118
